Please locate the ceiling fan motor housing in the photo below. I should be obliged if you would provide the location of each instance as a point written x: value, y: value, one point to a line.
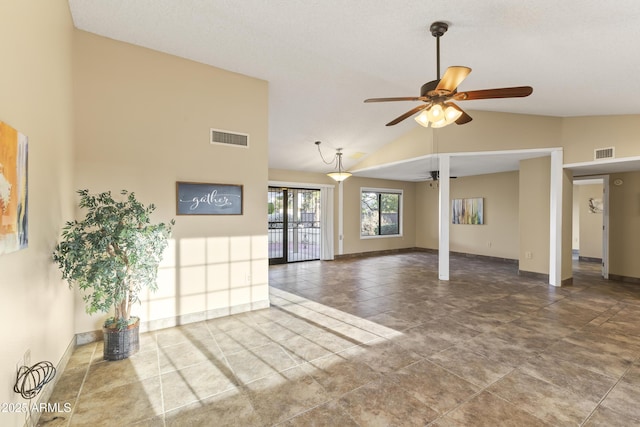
x: 428, y: 87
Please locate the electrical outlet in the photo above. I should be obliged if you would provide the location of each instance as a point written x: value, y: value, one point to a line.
x: 528, y: 255
x: 488, y: 244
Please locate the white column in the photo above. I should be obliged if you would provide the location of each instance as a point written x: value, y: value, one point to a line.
x: 444, y: 218
x: 605, y: 228
x: 555, y: 223
x: 340, y: 221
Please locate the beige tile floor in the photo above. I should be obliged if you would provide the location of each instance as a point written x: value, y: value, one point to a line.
x: 381, y: 342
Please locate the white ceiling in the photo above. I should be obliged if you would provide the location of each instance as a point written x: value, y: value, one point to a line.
x: 323, y: 58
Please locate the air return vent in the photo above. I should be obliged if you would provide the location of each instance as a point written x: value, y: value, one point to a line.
x: 604, y: 153
x: 225, y: 137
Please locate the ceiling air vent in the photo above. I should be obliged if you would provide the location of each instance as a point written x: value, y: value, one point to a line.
x: 604, y: 153
x: 225, y: 137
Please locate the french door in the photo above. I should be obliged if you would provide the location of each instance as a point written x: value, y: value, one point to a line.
x: 294, y: 224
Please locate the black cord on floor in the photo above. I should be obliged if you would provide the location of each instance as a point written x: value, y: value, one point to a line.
x: 30, y: 380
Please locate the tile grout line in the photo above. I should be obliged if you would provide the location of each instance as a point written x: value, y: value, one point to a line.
x: 84, y: 379
x: 157, y: 348
x: 607, y: 393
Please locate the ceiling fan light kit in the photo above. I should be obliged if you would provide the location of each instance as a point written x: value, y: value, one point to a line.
x: 439, y: 110
x: 438, y: 115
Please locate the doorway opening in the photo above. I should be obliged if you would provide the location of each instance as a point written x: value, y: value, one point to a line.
x: 590, y: 223
x: 294, y: 224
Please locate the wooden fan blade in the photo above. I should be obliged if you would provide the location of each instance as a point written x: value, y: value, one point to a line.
x: 408, y: 114
x: 464, y: 118
x: 505, y: 92
x: 452, y: 78
x: 404, y: 98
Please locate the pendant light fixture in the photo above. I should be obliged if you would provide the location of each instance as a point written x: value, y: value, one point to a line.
x: 340, y: 175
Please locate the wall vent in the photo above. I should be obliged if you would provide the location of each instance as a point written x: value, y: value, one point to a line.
x: 604, y: 153
x: 226, y: 137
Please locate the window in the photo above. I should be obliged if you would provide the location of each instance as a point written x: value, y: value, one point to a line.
x: 380, y: 212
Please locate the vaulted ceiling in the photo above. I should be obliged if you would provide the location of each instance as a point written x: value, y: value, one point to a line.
x: 323, y: 58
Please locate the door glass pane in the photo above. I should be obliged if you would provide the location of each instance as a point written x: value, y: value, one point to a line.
x: 275, y: 212
x: 294, y: 225
x: 304, y: 225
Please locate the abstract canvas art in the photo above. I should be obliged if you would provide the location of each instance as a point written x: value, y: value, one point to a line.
x: 595, y: 205
x: 13, y: 190
x: 467, y: 211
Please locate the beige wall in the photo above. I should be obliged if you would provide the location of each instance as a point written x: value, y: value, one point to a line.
x: 427, y: 215
x: 320, y: 179
x: 590, y: 223
x: 582, y: 135
x: 488, y: 131
x: 353, y: 243
x: 624, y: 225
x: 534, y: 205
x: 491, y: 131
x: 415, y: 143
x: 498, y: 237
x: 142, y: 123
x: 35, y: 83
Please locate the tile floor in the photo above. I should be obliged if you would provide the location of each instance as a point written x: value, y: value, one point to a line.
x: 381, y: 342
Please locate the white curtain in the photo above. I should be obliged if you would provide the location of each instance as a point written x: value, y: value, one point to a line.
x: 326, y: 223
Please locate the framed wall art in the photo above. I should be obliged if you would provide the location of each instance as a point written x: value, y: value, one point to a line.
x: 13, y: 189
x: 467, y: 211
x: 595, y: 206
x: 196, y: 198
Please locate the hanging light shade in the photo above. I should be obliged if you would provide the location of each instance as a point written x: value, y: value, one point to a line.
x: 435, y: 113
x: 339, y: 176
x: 452, y: 114
x: 440, y: 123
x: 423, y: 119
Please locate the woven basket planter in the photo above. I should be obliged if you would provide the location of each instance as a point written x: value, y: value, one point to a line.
x: 119, y: 345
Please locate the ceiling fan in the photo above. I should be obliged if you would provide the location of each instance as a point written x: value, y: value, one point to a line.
x: 437, y: 95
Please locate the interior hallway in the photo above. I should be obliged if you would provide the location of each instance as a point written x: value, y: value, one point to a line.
x: 380, y: 341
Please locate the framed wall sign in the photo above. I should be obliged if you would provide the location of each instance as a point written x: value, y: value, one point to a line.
x: 195, y: 198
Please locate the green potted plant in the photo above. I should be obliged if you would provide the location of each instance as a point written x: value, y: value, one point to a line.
x: 112, y: 255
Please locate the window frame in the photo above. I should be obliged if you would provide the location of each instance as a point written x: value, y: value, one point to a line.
x: 380, y: 191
